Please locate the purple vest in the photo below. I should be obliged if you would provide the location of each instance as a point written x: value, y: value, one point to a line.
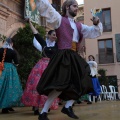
x: 65, y: 34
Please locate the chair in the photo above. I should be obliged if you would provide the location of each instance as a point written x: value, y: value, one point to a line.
x: 99, y: 97
x: 113, y: 93
x: 106, y: 93
x: 101, y: 94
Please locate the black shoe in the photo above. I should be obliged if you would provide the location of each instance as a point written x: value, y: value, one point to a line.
x: 96, y: 99
x: 78, y: 102
x: 89, y: 102
x: 69, y: 112
x: 36, y: 112
x: 60, y: 103
x: 33, y: 108
x: 43, y: 116
x: 49, y: 110
x: 5, y: 110
x: 10, y: 109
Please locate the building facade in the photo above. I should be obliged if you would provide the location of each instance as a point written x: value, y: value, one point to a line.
x: 105, y: 48
x: 11, y: 16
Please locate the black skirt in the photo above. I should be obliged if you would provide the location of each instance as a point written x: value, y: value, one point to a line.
x: 66, y: 72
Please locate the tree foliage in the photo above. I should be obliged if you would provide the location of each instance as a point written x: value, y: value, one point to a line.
x: 103, y: 78
x: 27, y: 53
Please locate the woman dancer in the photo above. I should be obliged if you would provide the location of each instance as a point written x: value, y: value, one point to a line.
x: 30, y: 96
x: 95, y: 81
x: 10, y: 86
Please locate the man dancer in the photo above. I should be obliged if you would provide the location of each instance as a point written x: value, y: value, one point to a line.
x: 67, y: 75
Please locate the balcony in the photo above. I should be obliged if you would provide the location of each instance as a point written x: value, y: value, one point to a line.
x: 107, y: 27
x: 106, y: 58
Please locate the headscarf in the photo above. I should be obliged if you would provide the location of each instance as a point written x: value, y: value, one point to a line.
x: 8, y: 43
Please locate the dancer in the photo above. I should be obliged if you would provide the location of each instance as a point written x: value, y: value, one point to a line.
x: 30, y: 96
x: 95, y: 81
x: 67, y: 74
x: 10, y: 86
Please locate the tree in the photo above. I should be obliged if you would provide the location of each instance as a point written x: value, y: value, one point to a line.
x: 27, y: 54
x: 103, y: 78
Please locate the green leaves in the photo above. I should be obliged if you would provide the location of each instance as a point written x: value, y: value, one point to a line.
x: 28, y: 54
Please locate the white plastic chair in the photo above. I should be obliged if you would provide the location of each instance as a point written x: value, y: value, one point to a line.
x: 106, y: 93
x: 101, y: 94
x: 113, y: 93
x: 99, y: 97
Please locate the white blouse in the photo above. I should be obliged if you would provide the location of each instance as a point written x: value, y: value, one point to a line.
x: 38, y: 46
x: 93, y: 68
x: 54, y: 19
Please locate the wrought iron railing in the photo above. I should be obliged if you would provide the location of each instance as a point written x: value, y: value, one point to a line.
x: 106, y: 58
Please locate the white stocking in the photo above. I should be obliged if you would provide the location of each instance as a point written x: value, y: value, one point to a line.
x: 90, y: 98
x: 69, y: 103
x: 54, y: 94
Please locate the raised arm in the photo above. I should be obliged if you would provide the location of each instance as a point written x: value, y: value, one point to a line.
x: 92, y: 31
x: 46, y: 10
x: 32, y: 27
x: 37, y: 36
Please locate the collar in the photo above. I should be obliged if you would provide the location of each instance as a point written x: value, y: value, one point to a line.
x: 71, y: 19
x: 50, y: 43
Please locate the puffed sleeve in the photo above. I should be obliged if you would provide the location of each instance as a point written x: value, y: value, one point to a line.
x: 37, y: 44
x: 40, y: 40
x: 46, y: 10
x: 92, y: 32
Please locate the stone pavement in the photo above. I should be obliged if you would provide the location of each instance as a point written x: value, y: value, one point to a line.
x: 104, y: 110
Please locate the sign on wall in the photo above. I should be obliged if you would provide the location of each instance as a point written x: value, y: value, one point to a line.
x: 117, y: 39
x: 31, y: 11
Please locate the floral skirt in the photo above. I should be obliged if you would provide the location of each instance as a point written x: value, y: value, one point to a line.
x: 30, y: 96
x: 10, y: 87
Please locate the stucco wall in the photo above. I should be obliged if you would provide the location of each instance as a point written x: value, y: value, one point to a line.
x: 92, y: 45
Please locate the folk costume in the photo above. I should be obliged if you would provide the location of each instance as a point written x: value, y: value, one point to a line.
x: 95, y: 81
x: 10, y: 86
x: 30, y: 96
x: 69, y: 77
x: 69, y: 72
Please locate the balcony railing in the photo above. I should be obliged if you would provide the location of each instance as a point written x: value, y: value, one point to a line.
x: 107, y: 27
x: 106, y: 58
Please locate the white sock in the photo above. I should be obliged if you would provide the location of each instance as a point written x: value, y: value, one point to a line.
x: 69, y: 103
x: 90, y: 98
x: 54, y: 94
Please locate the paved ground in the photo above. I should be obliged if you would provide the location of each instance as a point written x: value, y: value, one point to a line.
x: 105, y: 110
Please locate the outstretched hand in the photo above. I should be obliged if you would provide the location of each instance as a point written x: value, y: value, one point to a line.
x: 27, y: 19
x: 95, y: 20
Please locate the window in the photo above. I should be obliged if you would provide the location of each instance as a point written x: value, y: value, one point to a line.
x: 105, y: 51
x: 57, y: 5
x: 105, y: 18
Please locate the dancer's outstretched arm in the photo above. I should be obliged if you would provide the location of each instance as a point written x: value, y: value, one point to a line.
x: 46, y: 10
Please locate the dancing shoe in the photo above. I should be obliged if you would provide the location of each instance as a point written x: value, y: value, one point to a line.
x: 10, y: 109
x: 78, y: 102
x: 33, y: 108
x: 5, y: 111
x: 49, y: 110
x: 36, y: 112
x: 89, y: 102
x: 43, y: 116
x: 69, y: 112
